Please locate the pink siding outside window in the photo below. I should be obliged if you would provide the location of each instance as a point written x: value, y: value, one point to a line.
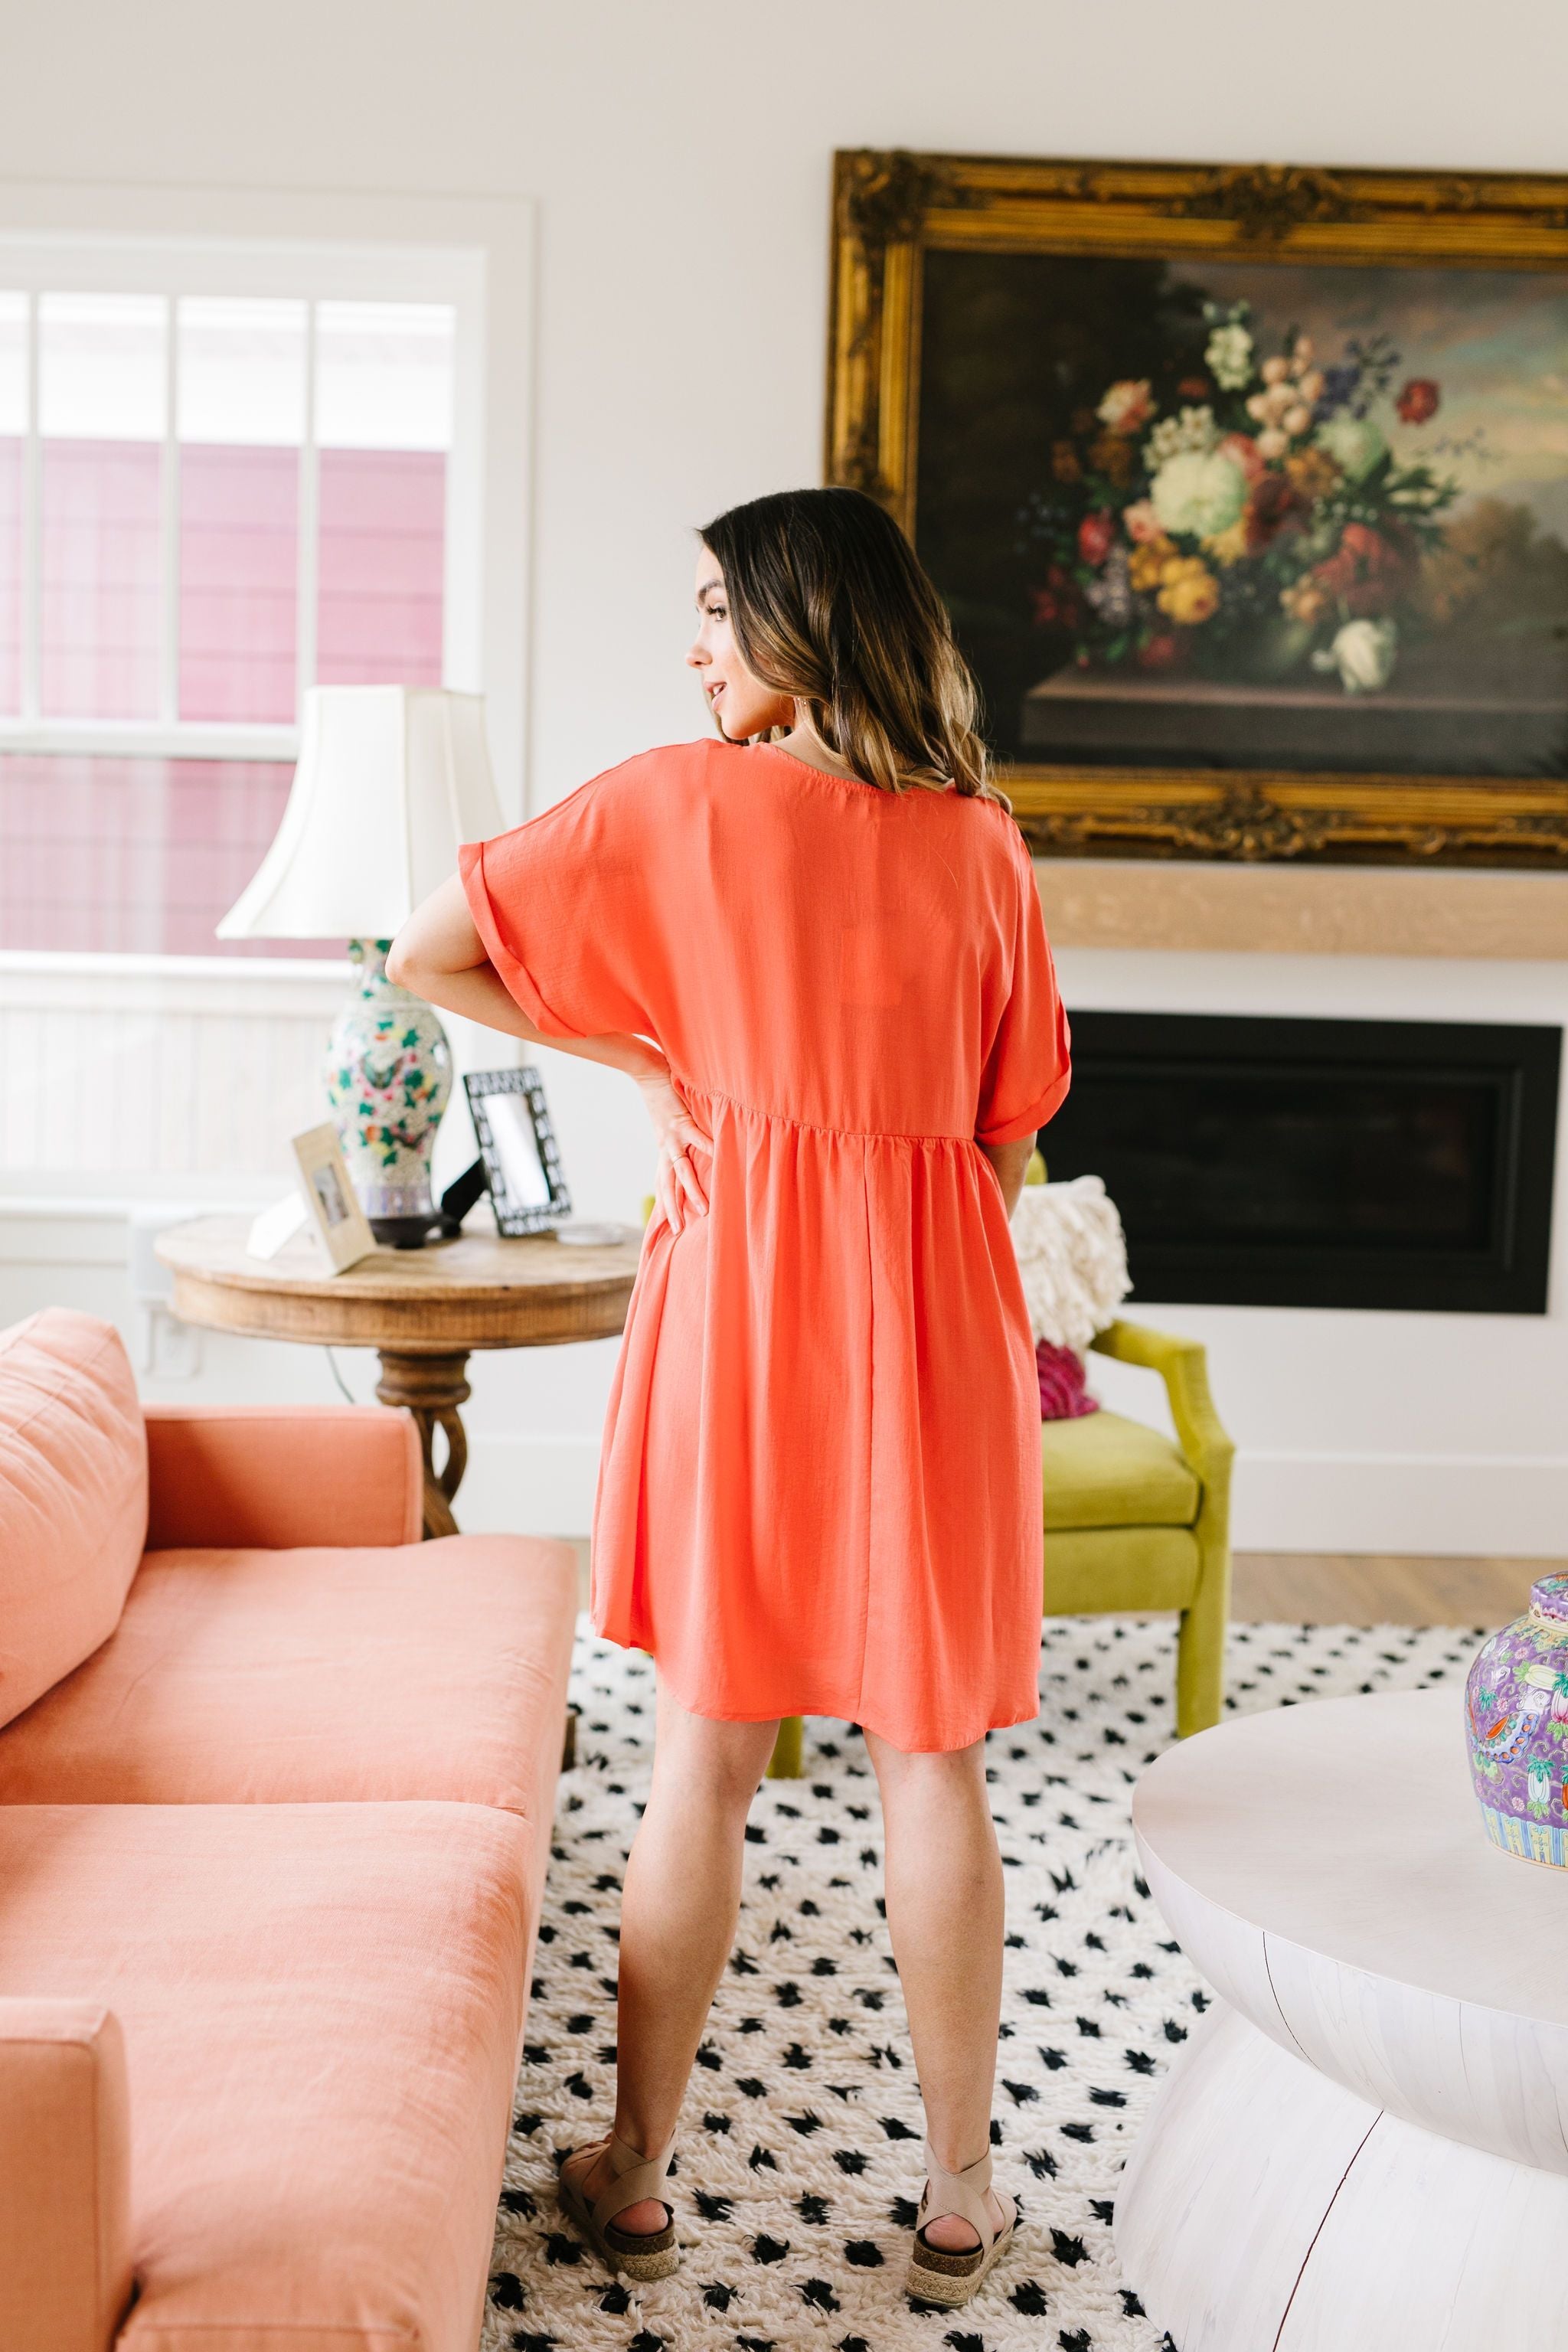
x: 102, y: 588
x: 109, y: 855
x: 239, y: 553
x: 10, y: 576
x: 127, y: 855
x: 382, y: 522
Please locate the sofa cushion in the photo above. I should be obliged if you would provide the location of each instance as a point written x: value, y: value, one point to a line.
x: 235, y: 1677
x: 321, y: 2006
x: 1108, y: 1472
x: 267, y: 1477
x: 73, y: 1497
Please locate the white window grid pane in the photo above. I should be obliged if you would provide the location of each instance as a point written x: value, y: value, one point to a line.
x: 103, y: 367
x: 241, y: 373
x: 165, y: 368
x: 15, y: 400
x: 384, y: 375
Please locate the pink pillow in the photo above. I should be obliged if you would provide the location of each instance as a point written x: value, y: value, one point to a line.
x: 73, y: 1497
x: 1063, y: 1396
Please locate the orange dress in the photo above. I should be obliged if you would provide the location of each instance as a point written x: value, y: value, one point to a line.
x: 819, y: 1492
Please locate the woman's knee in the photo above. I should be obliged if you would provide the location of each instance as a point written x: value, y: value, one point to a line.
x: 720, y: 1762
x: 926, y: 1775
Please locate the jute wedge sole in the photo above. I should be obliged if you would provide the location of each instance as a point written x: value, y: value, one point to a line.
x: 952, y: 2279
x: 638, y: 2255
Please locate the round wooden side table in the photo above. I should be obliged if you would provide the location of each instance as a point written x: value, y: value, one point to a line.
x: 423, y: 1311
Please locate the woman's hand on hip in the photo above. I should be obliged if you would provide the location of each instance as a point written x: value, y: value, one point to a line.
x: 681, y: 1187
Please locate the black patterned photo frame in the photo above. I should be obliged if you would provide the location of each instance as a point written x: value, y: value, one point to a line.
x: 517, y: 1143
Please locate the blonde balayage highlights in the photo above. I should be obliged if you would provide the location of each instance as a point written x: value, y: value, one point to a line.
x: 829, y: 604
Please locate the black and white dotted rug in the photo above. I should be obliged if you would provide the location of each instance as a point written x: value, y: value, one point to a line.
x: 799, y: 2157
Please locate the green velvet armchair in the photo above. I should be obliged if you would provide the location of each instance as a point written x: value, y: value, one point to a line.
x: 1135, y: 1523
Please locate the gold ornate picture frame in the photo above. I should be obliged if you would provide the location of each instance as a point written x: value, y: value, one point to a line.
x: 1234, y: 586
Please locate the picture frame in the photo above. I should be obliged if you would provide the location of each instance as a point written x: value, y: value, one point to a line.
x: 1353, y: 646
x: 517, y: 1143
x: 340, y: 1224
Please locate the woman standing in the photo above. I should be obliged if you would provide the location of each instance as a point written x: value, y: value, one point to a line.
x: 815, y: 943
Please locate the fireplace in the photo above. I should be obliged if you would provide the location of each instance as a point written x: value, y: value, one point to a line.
x: 1320, y: 1163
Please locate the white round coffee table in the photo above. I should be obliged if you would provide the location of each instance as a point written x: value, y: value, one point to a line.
x: 1365, y: 2148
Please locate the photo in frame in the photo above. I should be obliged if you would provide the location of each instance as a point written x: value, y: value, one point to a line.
x: 1246, y: 487
x: 517, y: 1144
x: 340, y: 1224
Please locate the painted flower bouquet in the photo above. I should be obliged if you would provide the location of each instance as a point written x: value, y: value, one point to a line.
x: 1251, y: 523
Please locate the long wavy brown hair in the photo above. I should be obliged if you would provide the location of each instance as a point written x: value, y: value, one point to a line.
x: 829, y: 604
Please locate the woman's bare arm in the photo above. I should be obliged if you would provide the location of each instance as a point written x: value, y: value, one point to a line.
x: 1010, y: 1161
x: 439, y: 955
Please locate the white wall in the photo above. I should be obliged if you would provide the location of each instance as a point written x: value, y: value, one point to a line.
x: 681, y: 158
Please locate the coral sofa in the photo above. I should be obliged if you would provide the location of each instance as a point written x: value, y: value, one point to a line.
x: 276, y: 1787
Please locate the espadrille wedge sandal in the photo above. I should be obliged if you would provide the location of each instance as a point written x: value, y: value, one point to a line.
x: 637, y: 2254
x: 936, y: 2276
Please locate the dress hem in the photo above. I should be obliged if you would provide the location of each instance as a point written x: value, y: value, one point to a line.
x: 817, y: 1706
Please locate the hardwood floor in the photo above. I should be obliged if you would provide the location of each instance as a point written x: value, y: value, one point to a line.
x: 1377, y: 1589
x: 1351, y: 1589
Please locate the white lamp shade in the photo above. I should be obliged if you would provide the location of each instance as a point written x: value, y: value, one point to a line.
x: 390, y: 780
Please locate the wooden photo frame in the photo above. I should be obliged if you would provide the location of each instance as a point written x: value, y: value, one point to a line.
x: 1246, y: 489
x: 517, y: 1144
x: 340, y: 1224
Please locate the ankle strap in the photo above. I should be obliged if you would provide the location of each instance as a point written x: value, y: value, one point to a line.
x: 958, y: 2193
x: 634, y: 2176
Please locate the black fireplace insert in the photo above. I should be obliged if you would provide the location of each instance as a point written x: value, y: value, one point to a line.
x: 1320, y: 1163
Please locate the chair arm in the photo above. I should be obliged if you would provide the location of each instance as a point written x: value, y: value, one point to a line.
x: 270, y: 1477
x: 65, y: 2176
x: 1183, y: 1365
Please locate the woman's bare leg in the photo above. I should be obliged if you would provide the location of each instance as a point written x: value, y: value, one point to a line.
x: 678, y: 1909
x: 945, y: 1917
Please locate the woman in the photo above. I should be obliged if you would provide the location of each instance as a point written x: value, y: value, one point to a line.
x: 816, y: 944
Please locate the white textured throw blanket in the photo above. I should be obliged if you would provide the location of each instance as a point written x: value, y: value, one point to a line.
x: 1073, y: 1259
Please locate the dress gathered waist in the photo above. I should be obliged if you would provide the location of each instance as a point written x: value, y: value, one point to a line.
x: 691, y: 1085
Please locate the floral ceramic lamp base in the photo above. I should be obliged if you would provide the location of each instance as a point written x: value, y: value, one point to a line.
x: 388, y: 1074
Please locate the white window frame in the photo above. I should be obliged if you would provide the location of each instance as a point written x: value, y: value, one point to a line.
x: 171, y: 268
x: 488, y: 645
x: 497, y: 236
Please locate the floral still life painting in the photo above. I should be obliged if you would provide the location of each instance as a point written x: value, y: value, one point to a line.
x: 1247, y: 490
x: 1369, y: 505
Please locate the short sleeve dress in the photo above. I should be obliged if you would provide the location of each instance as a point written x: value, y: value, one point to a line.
x: 819, y: 1489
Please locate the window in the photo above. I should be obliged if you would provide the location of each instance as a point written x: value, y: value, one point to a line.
x: 226, y: 474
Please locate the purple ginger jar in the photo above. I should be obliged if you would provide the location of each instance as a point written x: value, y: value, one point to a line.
x: 1516, y: 1708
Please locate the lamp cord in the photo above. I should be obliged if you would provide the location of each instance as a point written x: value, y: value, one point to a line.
x: 349, y: 1397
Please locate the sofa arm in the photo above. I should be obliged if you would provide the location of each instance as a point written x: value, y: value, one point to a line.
x: 65, y: 2176
x: 271, y: 1477
x: 1183, y: 1365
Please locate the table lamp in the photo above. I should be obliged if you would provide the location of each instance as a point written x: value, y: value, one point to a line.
x: 390, y: 780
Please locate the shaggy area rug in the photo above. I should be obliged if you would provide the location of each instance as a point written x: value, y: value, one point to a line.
x: 799, y: 2158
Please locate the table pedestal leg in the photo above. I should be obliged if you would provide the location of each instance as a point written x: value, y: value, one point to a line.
x: 432, y: 1388
x: 1265, y: 2204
